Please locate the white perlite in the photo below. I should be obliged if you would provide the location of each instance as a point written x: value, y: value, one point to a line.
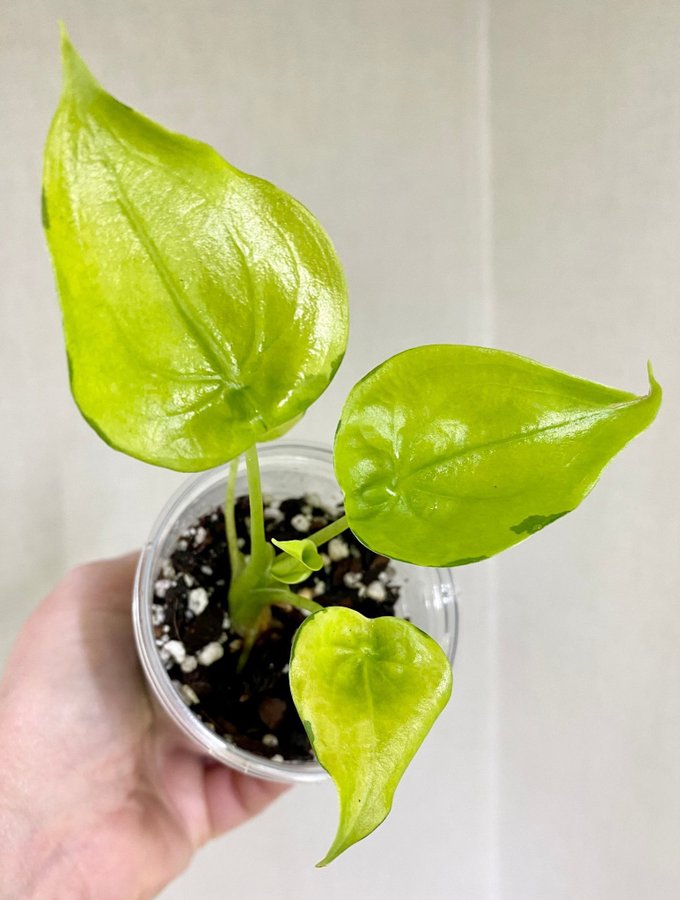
x: 189, y: 664
x: 352, y: 579
x: 376, y: 591
x: 338, y: 549
x: 210, y: 653
x: 270, y: 740
x: 200, y: 536
x: 167, y: 569
x: 188, y: 694
x: 274, y: 515
x: 388, y: 574
x: 226, y: 622
x: 176, y: 650
x: 301, y: 522
x: 157, y: 613
x: 198, y: 600
x: 162, y: 586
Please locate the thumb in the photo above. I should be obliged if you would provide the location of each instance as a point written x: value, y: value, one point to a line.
x: 233, y: 798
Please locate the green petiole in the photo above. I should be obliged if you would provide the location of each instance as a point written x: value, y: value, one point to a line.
x: 235, y: 556
x: 329, y: 531
x: 286, y: 597
x: 258, y: 543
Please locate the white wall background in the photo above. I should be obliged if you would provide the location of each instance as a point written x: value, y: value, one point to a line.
x: 493, y: 171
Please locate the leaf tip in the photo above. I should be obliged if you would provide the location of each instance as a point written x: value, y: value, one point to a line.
x: 332, y: 854
x: 75, y: 73
x: 344, y: 840
x: 654, y: 386
x: 654, y: 396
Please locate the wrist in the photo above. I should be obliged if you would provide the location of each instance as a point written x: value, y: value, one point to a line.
x: 35, y: 861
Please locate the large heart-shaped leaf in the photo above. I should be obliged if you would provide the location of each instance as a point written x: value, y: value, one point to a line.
x: 368, y: 691
x: 448, y: 454
x: 204, y: 309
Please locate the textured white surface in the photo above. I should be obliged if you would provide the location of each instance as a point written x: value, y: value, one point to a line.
x: 586, y: 132
x: 511, y: 164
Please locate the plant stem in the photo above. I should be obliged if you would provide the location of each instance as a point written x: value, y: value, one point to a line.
x: 235, y: 557
x: 288, y: 598
x: 330, y: 531
x: 257, y: 539
x: 310, y: 606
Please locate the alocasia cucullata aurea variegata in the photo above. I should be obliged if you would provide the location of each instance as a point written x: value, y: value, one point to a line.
x: 204, y: 311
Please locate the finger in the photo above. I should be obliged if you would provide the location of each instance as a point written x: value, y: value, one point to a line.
x: 107, y: 583
x: 118, y: 572
x: 234, y: 798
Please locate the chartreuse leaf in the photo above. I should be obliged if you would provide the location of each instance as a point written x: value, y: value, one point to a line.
x: 299, y: 560
x: 368, y: 691
x: 204, y: 309
x: 448, y: 454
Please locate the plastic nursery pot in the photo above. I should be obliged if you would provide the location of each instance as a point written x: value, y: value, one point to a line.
x: 427, y: 596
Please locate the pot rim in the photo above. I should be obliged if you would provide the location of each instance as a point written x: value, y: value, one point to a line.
x: 161, y: 685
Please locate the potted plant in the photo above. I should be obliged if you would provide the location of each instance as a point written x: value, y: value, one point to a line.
x: 204, y: 311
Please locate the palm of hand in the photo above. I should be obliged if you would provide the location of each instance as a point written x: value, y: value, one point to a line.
x: 127, y: 803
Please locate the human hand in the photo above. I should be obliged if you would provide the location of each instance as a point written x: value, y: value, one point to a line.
x: 99, y: 798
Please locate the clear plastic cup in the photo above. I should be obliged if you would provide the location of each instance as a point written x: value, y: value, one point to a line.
x: 427, y: 597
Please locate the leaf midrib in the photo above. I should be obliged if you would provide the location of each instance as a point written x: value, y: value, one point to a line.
x: 516, y: 438
x: 200, y: 334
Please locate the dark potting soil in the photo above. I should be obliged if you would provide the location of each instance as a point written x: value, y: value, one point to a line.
x: 253, y: 708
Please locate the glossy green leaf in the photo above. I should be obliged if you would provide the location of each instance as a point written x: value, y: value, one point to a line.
x: 297, y: 562
x: 280, y: 430
x: 449, y: 454
x: 367, y: 691
x: 204, y: 309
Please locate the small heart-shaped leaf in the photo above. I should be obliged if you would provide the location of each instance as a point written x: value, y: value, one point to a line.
x: 298, y: 561
x: 368, y: 692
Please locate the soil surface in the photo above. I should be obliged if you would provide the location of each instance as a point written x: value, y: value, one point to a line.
x: 253, y: 708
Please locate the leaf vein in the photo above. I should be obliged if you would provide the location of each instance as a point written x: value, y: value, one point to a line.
x: 200, y: 334
x: 511, y: 439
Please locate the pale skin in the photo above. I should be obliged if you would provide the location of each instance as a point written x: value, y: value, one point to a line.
x: 100, y: 799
